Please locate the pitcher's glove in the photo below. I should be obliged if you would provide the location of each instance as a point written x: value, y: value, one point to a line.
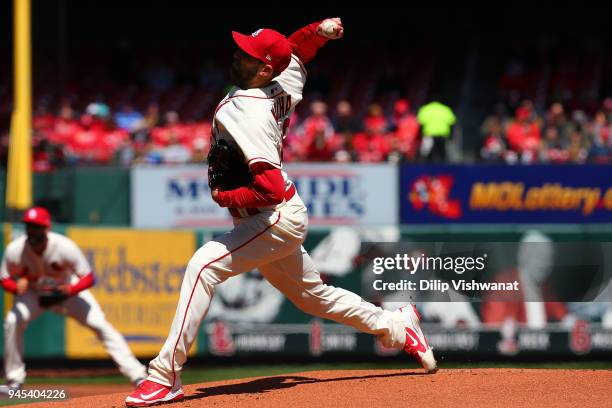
x: 49, y: 294
x: 226, y: 167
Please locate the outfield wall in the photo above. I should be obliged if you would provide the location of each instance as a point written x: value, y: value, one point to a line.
x: 139, y: 274
x: 338, y: 194
x: 139, y: 270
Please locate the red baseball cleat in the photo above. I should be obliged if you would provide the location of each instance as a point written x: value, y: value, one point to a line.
x: 151, y: 393
x: 416, y: 343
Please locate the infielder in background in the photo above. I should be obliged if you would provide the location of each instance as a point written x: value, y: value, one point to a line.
x: 270, y: 219
x: 46, y: 270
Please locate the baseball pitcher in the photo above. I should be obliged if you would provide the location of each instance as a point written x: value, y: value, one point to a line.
x: 47, y: 271
x: 270, y: 219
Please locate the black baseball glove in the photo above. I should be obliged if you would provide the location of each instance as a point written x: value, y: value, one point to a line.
x: 48, y: 299
x: 226, y: 167
x: 49, y: 294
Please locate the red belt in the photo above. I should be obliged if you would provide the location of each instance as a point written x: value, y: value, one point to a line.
x: 289, y: 193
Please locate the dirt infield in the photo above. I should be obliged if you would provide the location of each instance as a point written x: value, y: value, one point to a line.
x: 473, y: 388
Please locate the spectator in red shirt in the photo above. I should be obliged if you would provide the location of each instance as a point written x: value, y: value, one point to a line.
x: 372, y: 145
x: 199, y: 137
x: 405, y: 128
x: 375, y: 119
x: 65, y: 127
x: 84, y: 144
x: 317, y: 122
x: 111, y: 141
x: 523, y: 135
x: 173, y: 127
x: 319, y: 149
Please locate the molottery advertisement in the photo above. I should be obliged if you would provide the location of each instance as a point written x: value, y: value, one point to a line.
x: 138, y: 279
x: 506, y: 194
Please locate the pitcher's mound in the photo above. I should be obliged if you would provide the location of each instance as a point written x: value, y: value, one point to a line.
x: 391, y: 388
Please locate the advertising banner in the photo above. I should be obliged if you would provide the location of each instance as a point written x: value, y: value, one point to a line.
x: 506, y: 194
x: 323, y: 339
x: 138, y: 280
x: 170, y: 197
x: 335, y: 194
x: 347, y: 194
x: 174, y: 197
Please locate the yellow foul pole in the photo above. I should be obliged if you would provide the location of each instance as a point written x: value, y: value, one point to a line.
x: 19, y: 177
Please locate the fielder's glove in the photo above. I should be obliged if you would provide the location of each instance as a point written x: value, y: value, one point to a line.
x: 226, y: 167
x: 49, y: 294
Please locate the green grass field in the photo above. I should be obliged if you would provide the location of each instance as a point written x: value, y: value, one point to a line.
x: 216, y: 373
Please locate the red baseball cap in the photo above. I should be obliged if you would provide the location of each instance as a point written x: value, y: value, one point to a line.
x: 38, y: 216
x: 268, y: 46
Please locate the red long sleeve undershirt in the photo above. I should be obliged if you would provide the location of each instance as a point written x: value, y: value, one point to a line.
x: 85, y: 282
x: 305, y: 42
x: 9, y: 285
x: 268, y: 188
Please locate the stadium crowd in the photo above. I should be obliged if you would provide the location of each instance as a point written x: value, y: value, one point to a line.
x: 101, y: 137
x: 157, y: 110
x: 98, y: 136
x: 556, y: 136
x: 150, y: 99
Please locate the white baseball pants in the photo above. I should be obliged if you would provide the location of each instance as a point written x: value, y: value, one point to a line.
x: 271, y: 242
x: 82, y: 307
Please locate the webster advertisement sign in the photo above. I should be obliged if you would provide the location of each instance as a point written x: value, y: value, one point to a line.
x: 506, y: 194
x: 138, y: 281
x: 335, y: 194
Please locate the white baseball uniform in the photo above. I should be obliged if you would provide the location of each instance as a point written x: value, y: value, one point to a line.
x: 270, y: 240
x: 64, y: 262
